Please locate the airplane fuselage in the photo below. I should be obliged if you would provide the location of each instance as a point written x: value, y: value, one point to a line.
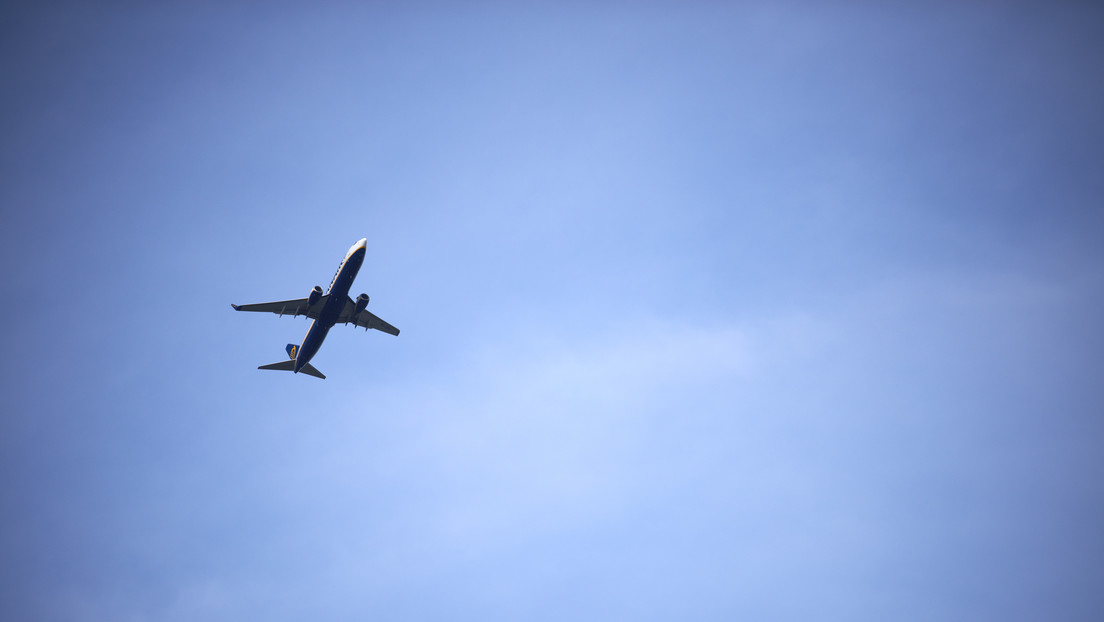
x: 335, y: 302
x: 324, y: 310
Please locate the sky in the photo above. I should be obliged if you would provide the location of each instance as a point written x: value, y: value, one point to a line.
x: 773, y: 311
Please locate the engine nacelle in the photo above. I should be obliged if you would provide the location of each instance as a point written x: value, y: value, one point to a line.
x: 361, y: 303
x: 314, y: 296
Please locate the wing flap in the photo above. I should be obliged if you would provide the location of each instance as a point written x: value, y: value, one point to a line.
x: 365, y: 319
x: 299, y: 306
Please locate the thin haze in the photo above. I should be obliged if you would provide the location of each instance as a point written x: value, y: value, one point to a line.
x: 774, y: 311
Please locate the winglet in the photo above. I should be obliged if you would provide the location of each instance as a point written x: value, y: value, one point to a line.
x: 236, y: 308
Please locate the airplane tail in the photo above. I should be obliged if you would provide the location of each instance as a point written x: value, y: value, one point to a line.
x: 289, y: 365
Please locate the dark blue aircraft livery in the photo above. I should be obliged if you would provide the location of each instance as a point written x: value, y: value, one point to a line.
x: 333, y: 307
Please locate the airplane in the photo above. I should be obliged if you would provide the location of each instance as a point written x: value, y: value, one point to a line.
x: 333, y: 307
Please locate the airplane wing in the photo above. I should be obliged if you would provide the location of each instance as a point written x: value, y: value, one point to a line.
x: 365, y: 319
x: 298, y: 306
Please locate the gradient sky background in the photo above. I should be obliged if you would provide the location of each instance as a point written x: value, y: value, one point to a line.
x: 771, y: 311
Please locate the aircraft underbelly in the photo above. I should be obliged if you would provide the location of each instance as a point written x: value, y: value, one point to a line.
x: 312, y: 342
x: 323, y: 314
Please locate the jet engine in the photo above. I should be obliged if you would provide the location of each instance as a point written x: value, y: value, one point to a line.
x: 314, y: 295
x: 361, y: 303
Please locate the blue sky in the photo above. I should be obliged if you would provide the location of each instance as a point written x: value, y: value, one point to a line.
x: 773, y: 311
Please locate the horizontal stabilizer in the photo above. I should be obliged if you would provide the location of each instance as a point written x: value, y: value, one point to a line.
x: 289, y: 365
x: 309, y: 370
